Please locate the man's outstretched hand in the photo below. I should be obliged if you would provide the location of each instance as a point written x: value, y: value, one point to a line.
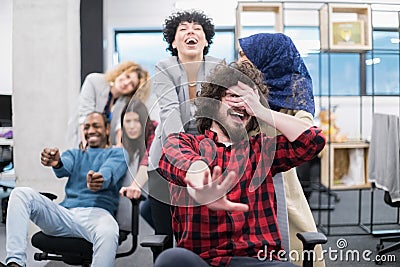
x: 211, y: 189
x: 50, y: 157
x: 94, y: 180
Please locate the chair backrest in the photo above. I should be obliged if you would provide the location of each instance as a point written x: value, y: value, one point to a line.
x: 124, y: 212
x: 388, y: 200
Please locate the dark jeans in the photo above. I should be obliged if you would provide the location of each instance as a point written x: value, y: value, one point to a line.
x: 145, y: 211
x: 160, y: 208
x: 181, y: 257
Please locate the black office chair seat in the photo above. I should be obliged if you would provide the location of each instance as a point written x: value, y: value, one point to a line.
x: 78, y: 251
x: 71, y: 250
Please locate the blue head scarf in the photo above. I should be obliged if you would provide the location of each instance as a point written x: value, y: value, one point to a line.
x: 285, y: 73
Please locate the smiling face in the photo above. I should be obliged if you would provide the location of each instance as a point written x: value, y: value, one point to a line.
x: 132, y: 126
x: 126, y: 83
x: 232, y: 121
x: 96, y: 131
x: 190, y: 41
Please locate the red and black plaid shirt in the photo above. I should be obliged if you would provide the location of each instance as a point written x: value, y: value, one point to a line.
x: 150, y: 137
x: 218, y: 235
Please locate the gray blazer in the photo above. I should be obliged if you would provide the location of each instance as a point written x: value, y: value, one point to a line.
x: 93, y: 97
x: 170, y: 85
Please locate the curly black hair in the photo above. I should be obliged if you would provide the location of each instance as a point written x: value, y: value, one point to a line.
x: 173, y: 21
x: 221, y: 78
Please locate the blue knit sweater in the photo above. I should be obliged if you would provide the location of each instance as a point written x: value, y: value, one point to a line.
x: 76, y: 164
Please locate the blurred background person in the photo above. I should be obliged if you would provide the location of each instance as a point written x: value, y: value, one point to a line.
x: 108, y: 93
x: 137, y: 136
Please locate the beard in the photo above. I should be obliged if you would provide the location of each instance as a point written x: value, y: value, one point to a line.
x: 235, y: 133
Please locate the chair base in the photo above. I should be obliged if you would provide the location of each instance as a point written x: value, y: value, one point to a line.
x: 382, y: 250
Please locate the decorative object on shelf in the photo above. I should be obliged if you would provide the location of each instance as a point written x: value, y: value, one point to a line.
x: 348, y: 33
x: 349, y: 167
x: 355, y: 170
x: 328, y: 125
x: 344, y: 165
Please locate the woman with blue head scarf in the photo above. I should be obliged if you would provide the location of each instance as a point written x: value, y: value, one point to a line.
x: 291, y: 92
x: 289, y: 82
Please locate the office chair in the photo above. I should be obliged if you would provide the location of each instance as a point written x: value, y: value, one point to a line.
x: 78, y: 251
x: 309, y: 239
x: 396, y: 246
x: 309, y: 175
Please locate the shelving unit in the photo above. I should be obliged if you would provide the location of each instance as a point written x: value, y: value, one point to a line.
x: 343, y: 28
x: 346, y: 27
x: 269, y: 8
x: 336, y: 162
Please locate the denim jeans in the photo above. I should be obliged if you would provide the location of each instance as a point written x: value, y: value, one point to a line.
x: 96, y: 225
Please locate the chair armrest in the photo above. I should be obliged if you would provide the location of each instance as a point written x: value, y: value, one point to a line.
x: 136, y: 202
x: 310, y: 239
x: 51, y: 196
x: 154, y: 241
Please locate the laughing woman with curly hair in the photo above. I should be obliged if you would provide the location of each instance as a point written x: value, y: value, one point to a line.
x: 176, y: 84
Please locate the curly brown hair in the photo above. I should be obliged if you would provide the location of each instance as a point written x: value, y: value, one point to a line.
x: 220, y: 79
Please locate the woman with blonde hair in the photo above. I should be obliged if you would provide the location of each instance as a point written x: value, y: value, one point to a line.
x: 108, y: 93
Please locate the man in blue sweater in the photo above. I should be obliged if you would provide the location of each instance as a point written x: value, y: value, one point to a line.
x: 94, y: 178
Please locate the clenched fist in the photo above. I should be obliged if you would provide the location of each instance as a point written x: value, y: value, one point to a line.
x: 50, y: 157
x: 94, y: 180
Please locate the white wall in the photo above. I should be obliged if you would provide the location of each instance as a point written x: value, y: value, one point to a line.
x: 46, y: 81
x: 5, y: 47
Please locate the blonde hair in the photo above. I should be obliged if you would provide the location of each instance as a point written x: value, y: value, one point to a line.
x: 142, y: 90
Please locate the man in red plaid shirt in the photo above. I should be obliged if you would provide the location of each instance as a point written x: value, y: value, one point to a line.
x: 221, y: 181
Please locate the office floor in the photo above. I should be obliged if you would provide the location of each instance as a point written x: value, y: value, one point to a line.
x: 342, y: 245
x: 348, y: 243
